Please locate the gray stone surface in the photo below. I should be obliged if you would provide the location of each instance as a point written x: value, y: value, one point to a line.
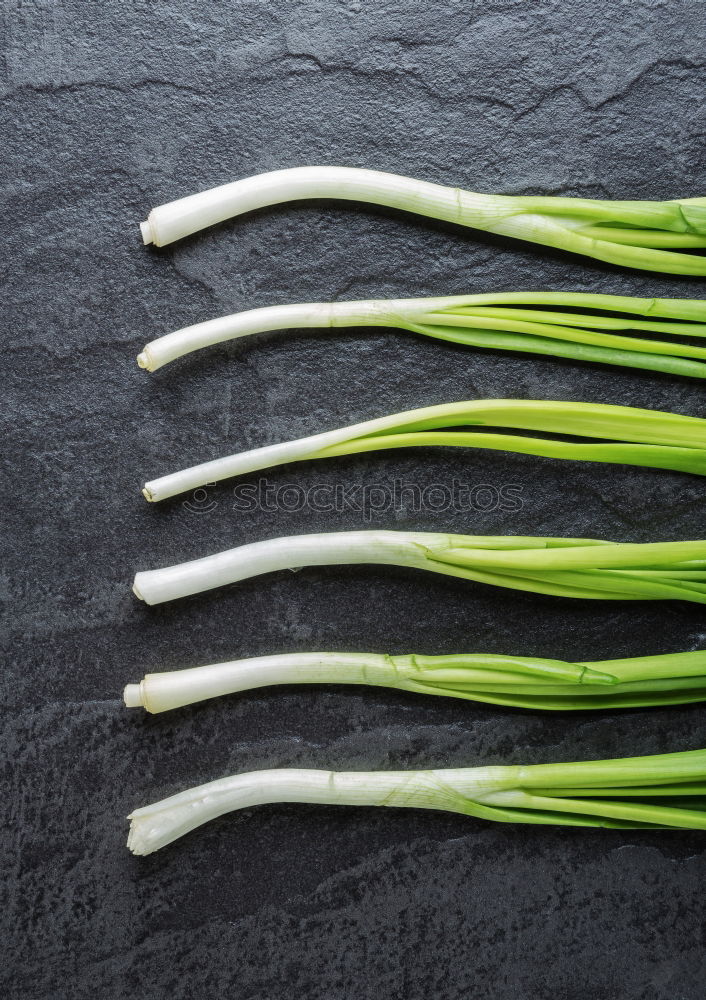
x: 108, y: 109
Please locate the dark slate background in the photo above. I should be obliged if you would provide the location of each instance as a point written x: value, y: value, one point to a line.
x: 109, y: 109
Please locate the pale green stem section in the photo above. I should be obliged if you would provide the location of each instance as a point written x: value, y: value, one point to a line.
x: 515, y: 323
x: 645, y: 238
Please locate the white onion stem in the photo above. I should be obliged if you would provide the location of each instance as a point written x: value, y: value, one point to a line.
x: 157, y: 825
x: 176, y: 688
x: 245, y: 462
x: 177, y: 219
x: 629, y: 792
x: 301, y: 315
x: 352, y: 547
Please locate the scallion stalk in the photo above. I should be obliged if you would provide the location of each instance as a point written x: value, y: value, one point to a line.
x: 518, y: 681
x: 532, y: 322
x: 640, y: 234
x: 621, y: 434
x: 644, y: 793
x: 563, y: 567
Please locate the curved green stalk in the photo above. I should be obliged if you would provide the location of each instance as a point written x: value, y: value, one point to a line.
x: 621, y: 434
x: 523, y: 682
x: 581, y: 225
x: 649, y: 456
x: 664, y: 791
x: 500, y: 320
x: 562, y: 567
x: 512, y: 322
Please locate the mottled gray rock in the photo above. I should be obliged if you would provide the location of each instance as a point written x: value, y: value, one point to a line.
x: 108, y: 109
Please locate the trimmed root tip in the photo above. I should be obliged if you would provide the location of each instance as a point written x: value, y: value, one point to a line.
x: 143, y: 361
x: 135, y: 841
x: 146, y: 230
x: 147, y: 495
x: 132, y: 695
x: 137, y: 593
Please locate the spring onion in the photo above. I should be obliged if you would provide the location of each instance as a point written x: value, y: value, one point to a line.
x: 564, y: 567
x: 641, y: 234
x: 644, y: 793
x: 629, y: 436
x: 533, y: 322
x: 519, y: 681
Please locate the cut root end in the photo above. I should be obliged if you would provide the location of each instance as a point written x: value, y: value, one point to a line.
x: 147, y: 495
x: 146, y: 230
x: 136, y: 842
x: 144, y: 362
x: 132, y: 695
